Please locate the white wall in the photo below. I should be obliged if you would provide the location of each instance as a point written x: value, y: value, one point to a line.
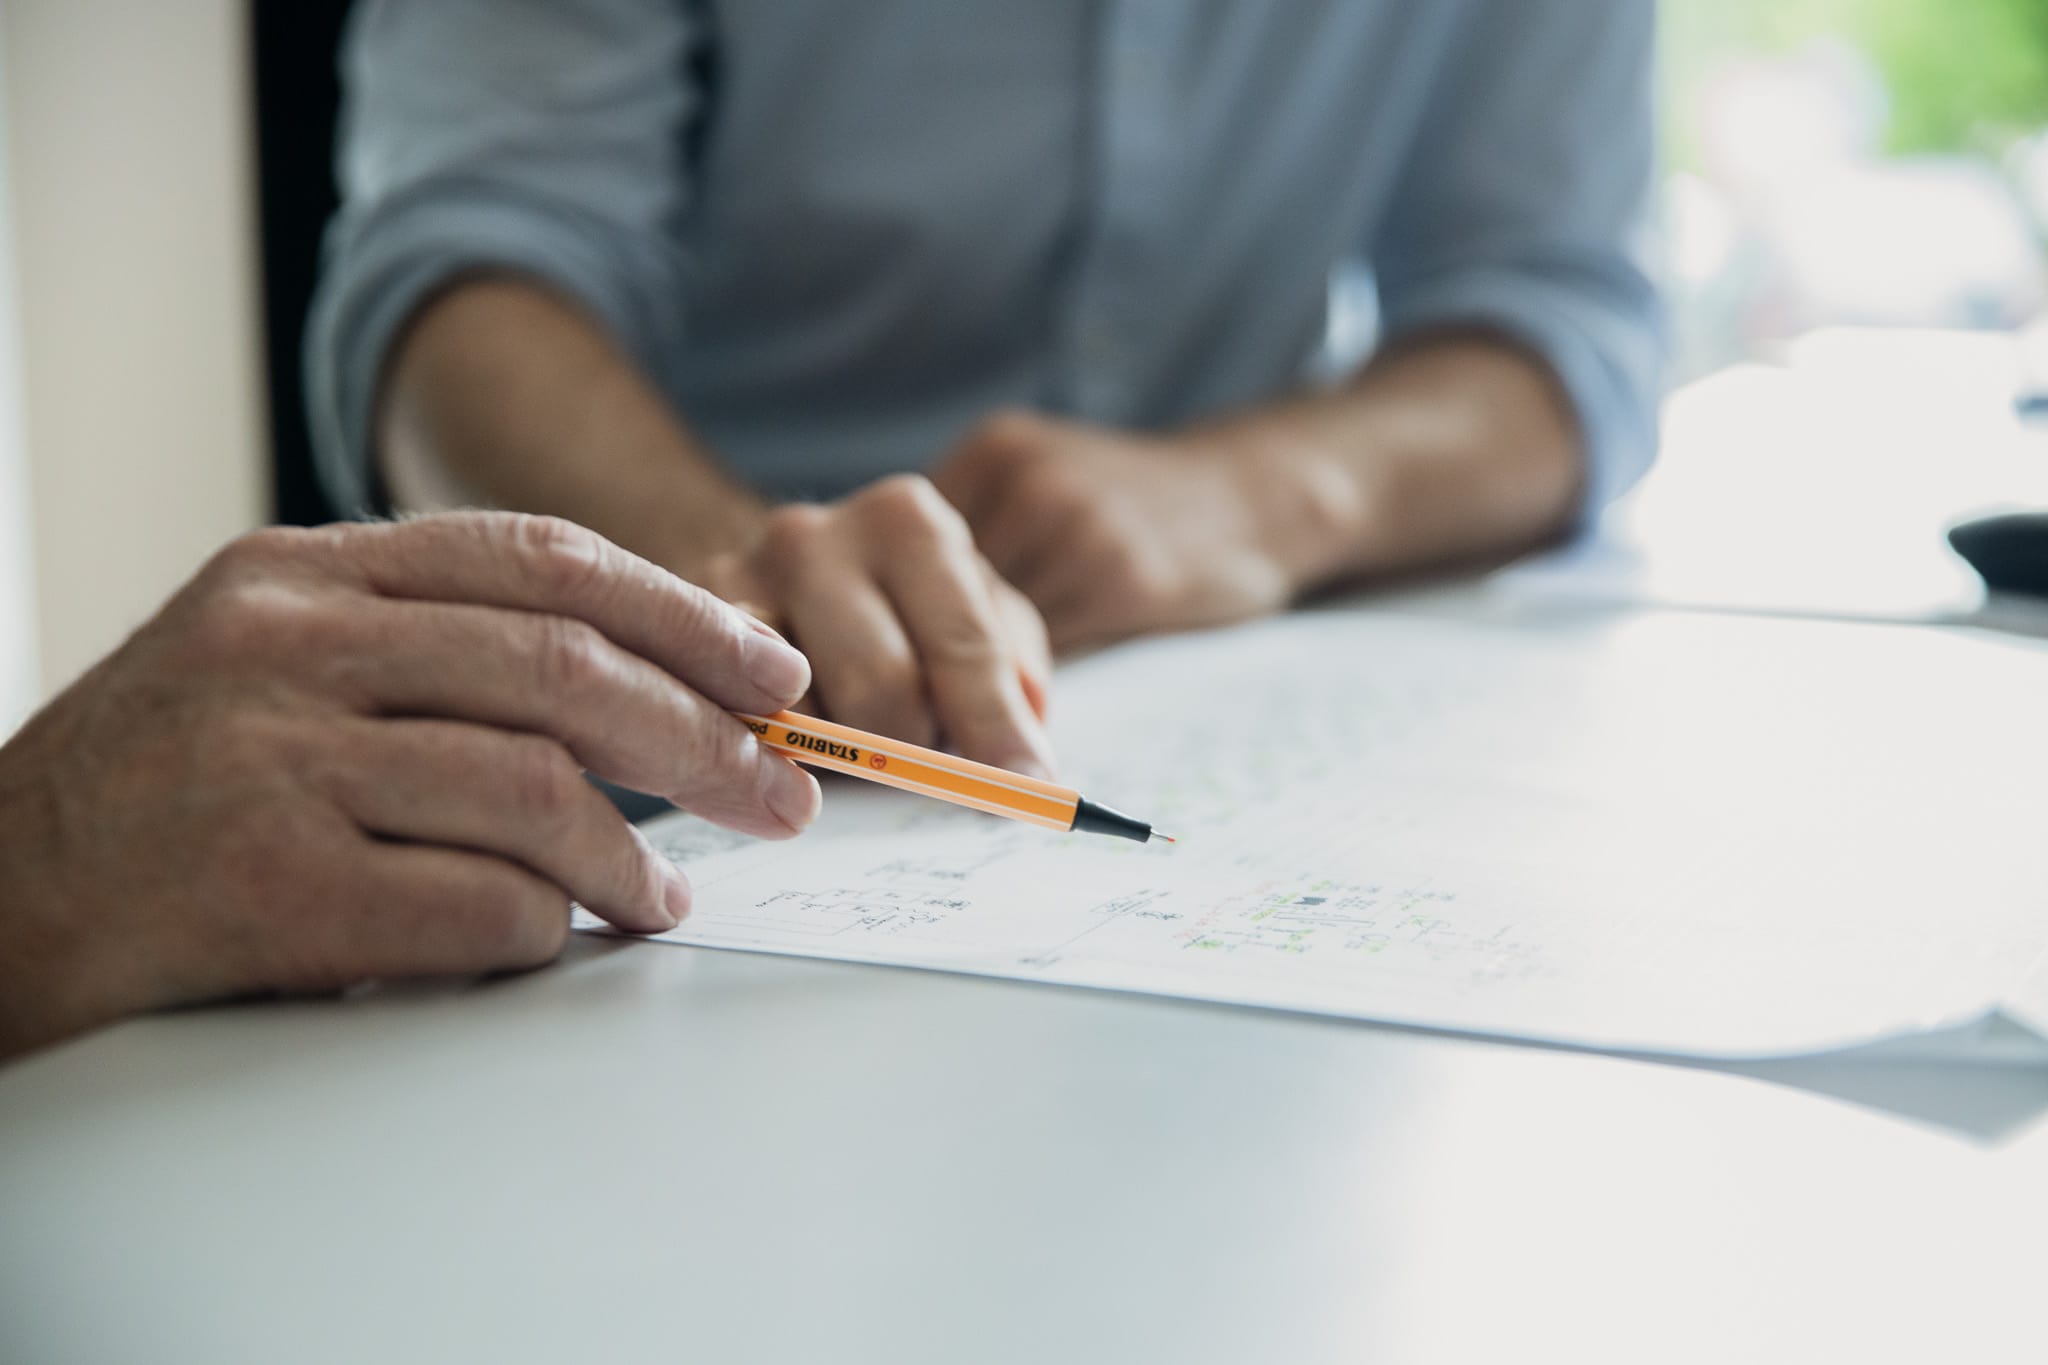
x: 128, y: 135
x: 20, y: 679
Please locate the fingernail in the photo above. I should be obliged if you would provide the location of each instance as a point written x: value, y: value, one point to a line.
x: 774, y: 666
x: 793, y: 795
x: 675, y: 895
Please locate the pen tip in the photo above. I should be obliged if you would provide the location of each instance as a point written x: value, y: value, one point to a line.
x: 1168, y: 837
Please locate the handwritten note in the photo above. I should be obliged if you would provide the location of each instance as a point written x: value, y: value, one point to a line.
x: 1680, y: 834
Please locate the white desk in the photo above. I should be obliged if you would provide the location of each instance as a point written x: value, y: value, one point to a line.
x: 653, y: 1153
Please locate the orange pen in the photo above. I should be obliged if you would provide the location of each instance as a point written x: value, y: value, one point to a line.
x: 877, y: 758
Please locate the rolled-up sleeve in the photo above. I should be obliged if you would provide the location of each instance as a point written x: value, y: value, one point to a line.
x: 540, y: 137
x: 1525, y: 210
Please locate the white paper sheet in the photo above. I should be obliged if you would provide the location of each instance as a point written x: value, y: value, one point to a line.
x: 1700, y: 835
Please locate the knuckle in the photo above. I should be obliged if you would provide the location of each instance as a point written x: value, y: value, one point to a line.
x: 704, y: 629
x: 880, y: 678
x: 255, y: 553
x: 222, y: 622
x: 905, y: 490
x: 481, y: 522
x: 549, y: 936
x: 1007, y: 433
x: 1140, y: 578
x: 885, y: 694
x: 516, y: 920
x: 707, y: 759
x: 253, y: 618
x: 911, y: 512
x: 717, y: 753
x: 970, y: 640
x: 537, y: 931
x: 791, y: 531
x: 1113, y: 563
x: 546, y: 783
x: 1050, y: 487
x: 563, y: 561
x: 568, y: 657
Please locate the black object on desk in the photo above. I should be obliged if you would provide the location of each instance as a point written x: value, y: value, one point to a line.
x: 2010, y: 551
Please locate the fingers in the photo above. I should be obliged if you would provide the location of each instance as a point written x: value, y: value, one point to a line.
x: 443, y: 911
x: 891, y: 597
x: 518, y: 797
x: 615, y: 712
x: 898, y: 614
x: 1027, y: 630
x: 866, y: 668
x: 542, y: 564
x: 972, y: 668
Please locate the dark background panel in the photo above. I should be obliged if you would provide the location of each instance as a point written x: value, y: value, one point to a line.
x: 297, y: 95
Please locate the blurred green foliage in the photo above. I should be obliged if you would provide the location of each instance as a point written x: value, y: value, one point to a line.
x: 1963, y: 75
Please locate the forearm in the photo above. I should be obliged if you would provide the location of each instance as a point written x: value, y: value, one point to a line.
x: 503, y: 393
x: 1459, y: 447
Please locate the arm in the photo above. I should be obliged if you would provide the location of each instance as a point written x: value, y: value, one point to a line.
x: 1524, y: 213
x: 1450, y: 447
x: 501, y: 278
x: 499, y: 377
x: 1516, y: 387
x: 531, y: 139
x: 502, y: 285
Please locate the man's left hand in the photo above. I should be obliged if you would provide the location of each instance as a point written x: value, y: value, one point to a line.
x: 1114, y: 534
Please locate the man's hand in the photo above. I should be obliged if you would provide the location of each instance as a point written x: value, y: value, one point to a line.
x: 359, y: 751
x: 1454, y: 447
x: 911, y: 633
x: 1113, y: 534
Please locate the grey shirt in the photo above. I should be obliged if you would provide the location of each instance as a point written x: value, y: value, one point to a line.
x: 835, y: 235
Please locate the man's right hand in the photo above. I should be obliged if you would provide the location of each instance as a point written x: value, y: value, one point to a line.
x: 910, y: 631
x: 358, y: 751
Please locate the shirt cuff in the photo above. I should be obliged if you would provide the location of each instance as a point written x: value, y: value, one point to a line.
x: 383, y: 270
x: 1608, y: 361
